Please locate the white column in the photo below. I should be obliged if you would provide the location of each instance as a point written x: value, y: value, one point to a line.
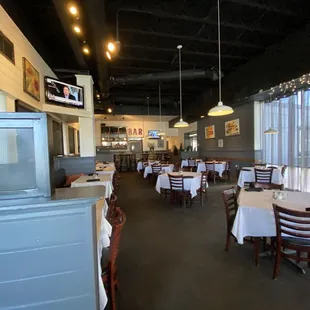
x: 87, y: 137
x: 10, y: 104
x: 87, y: 124
x: 2, y: 102
x: 65, y: 134
x: 76, y: 142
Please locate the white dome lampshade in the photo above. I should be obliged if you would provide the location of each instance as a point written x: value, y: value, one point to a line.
x: 220, y: 110
x: 271, y: 131
x: 181, y: 124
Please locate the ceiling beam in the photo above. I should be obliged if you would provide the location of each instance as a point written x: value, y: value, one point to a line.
x: 189, y: 38
x: 172, y: 50
x: 193, y: 19
x: 114, y: 67
x: 159, y: 61
x: 268, y: 7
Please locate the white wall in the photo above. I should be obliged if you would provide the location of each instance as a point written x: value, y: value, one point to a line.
x: 170, y: 132
x: 174, y: 136
x: 11, y: 77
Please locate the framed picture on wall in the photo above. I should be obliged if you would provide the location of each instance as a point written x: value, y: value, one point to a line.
x: 31, y: 80
x: 210, y: 132
x: 161, y: 143
x: 232, y: 128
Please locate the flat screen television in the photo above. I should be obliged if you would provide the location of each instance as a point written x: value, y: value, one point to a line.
x: 153, y: 134
x: 64, y: 94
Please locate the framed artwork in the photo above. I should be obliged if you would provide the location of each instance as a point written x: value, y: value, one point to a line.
x: 31, y: 80
x: 160, y: 143
x: 232, y: 128
x: 210, y: 132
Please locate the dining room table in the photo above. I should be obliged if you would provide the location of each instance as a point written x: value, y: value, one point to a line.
x: 247, y: 175
x: 101, y: 164
x: 255, y: 215
x: 192, y: 181
x: 141, y: 165
x: 109, y: 170
x: 164, y: 169
x: 95, y: 180
x: 219, y: 167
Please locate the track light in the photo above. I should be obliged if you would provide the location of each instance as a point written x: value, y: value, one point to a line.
x: 108, y: 55
x: 86, y: 50
x: 77, y: 29
x: 73, y: 10
x: 109, y: 110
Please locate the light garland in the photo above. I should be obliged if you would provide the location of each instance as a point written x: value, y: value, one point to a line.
x: 290, y: 86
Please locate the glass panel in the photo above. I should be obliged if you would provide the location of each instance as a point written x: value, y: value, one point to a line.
x: 17, y: 159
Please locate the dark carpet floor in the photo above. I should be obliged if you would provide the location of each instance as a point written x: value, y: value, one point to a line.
x: 169, y: 260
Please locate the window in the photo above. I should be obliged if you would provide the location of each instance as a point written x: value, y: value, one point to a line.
x: 71, y: 141
x: 6, y: 47
x: 190, y: 141
x: 58, y: 148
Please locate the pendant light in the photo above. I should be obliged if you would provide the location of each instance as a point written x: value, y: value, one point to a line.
x: 271, y: 130
x: 180, y: 123
x: 220, y: 109
x: 161, y: 132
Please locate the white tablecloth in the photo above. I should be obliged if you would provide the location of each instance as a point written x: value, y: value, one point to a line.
x: 103, y: 242
x: 105, y: 180
x: 166, y: 169
x: 249, y: 176
x: 219, y: 167
x: 106, y: 170
x: 191, y: 184
x: 149, y: 162
x: 255, y: 217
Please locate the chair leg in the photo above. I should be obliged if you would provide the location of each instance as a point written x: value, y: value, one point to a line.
x: 256, y: 250
x: 227, y: 240
x: 308, y: 256
x: 277, y: 262
x: 113, y: 297
x: 201, y: 199
x: 298, y: 257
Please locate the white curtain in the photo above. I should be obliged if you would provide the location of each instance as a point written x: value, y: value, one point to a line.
x: 291, y: 146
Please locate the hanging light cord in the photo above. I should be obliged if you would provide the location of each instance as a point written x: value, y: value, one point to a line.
x: 159, y: 101
x: 180, y: 70
x: 219, y: 47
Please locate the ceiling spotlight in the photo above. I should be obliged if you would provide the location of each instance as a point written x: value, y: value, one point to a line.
x: 202, y: 116
x: 77, y: 29
x: 98, y: 96
x: 86, y: 50
x: 73, y: 10
x: 109, y: 110
x: 111, y: 47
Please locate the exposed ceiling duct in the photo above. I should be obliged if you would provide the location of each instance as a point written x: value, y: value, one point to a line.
x: 164, y: 76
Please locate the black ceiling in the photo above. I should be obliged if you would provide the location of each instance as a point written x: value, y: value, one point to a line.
x: 149, y: 32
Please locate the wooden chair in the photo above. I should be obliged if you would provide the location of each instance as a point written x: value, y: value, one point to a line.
x: 108, y: 263
x: 203, y: 186
x: 192, y: 164
x: 283, y: 170
x: 112, y: 207
x: 212, y: 173
x: 226, y: 172
x: 156, y: 170
x: 237, y: 168
x: 177, y: 189
x: 263, y: 175
x: 269, y: 186
x: 230, y: 201
x: 295, y: 225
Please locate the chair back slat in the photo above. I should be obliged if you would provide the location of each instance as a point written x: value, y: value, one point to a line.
x: 204, y: 180
x: 263, y: 175
x: 176, y: 182
x: 156, y: 168
x: 117, y: 227
x: 210, y: 166
x: 111, y: 207
x: 291, y: 223
x: 230, y: 201
x: 191, y: 162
